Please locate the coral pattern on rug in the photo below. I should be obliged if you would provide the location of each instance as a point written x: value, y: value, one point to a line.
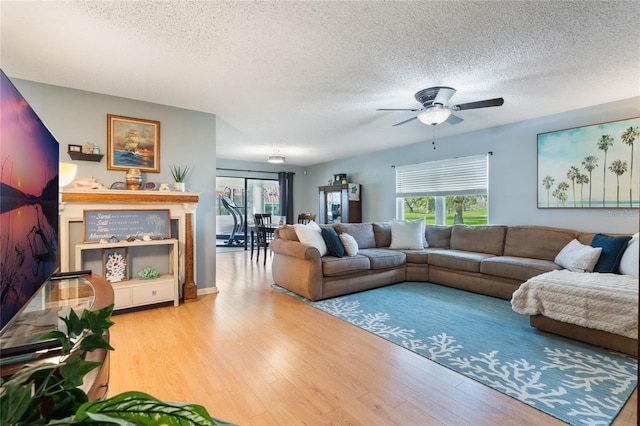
x: 577, y: 383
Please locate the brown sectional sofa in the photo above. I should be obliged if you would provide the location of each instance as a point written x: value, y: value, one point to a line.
x: 493, y: 260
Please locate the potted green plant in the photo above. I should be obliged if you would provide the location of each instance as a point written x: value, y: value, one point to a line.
x: 49, y: 393
x: 179, y: 174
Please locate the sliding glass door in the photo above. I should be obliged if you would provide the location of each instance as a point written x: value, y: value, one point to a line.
x: 237, y: 200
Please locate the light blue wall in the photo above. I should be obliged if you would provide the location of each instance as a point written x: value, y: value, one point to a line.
x: 186, y: 138
x: 512, y: 173
x: 189, y: 137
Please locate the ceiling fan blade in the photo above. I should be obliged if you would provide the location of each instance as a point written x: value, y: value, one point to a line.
x: 397, y: 109
x: 454, y: 119
x: 478, y: 104
x: 435, y: 95
x: 405, y: 121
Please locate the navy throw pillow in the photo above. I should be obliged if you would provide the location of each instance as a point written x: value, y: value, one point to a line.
x: 331, y: 239
x: 612, y: 250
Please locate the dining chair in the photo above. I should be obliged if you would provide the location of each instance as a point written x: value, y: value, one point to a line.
x: 305, y: 218
x: 264, y: 233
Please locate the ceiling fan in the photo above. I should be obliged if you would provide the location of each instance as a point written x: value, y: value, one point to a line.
x: 434, y: 109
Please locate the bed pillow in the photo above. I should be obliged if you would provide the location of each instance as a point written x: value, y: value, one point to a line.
x: 612, y: 250
x: 350, y: 244
x: 578, y: 257
x: 310, y: 234
x: 331, y: 239
x: 408, y: 234
x: 629, y: 261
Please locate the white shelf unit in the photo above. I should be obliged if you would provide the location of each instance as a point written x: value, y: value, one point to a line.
x: 135, y: 292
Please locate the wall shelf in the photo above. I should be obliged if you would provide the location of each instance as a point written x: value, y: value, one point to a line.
x: 133, y: 292
x: 85, y: 157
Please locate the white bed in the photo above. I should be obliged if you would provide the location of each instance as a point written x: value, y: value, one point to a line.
x: 607, y: 302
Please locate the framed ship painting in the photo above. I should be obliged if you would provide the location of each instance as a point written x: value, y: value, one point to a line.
x: 133, y: 143
x: 596, y: 166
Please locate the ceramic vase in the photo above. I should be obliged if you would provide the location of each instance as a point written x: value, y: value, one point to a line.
x: 180, y: 186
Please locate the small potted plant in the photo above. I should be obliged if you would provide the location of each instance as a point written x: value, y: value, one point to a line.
x: 179, y: 174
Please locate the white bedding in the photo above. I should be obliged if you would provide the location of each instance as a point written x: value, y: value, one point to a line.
x: 607, y: 302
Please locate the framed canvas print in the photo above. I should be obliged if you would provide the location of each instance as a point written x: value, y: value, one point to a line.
x: 133, y: 143
x: 594, y: 166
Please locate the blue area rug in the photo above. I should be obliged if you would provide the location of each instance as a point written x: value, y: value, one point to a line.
x: 482, y: 338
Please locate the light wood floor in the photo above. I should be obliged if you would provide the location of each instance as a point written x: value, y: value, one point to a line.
x: 254, y: 356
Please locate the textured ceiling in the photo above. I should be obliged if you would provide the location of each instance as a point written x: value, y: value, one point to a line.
x: 306, y: 77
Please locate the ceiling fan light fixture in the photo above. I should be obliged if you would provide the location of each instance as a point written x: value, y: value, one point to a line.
x: 434, y: 114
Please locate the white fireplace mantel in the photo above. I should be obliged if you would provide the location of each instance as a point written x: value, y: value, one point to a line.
x: 181, y: 205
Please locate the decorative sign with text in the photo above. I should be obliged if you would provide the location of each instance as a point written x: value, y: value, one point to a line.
x: 122, y: 224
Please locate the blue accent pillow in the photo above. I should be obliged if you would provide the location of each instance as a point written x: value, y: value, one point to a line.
x: 331, y: 239
x: 612, y: 250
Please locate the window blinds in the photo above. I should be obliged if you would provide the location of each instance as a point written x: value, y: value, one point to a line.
x: 455, y: 176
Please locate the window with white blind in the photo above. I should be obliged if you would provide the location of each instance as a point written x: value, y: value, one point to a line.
x: 445, y: 191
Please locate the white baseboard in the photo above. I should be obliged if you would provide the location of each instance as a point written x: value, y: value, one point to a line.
x: 208, y: 290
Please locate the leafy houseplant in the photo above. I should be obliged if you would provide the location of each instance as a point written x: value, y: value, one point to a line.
x: 49, y: 393
x: 179, y: 174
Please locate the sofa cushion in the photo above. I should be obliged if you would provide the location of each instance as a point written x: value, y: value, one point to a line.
x: 382, y: 258
x: 438, y: 236
x: 479, y: 239
x: 362, y: 232
x: 287, y: 232
x: 333, y: 266
x: 537, y: 242
x: 458, y: 260
x: 310, y: 234
x: 350, y: 244
x: 419, y: 256
x: 578, y: 257
x: 516, y: 268
x: 331, y: 239
x: 408, y: 234
x: 629, y: 261
x: 612, y: 250
x: 382, y: 233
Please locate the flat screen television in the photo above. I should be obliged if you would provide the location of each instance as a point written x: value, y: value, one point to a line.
x: 29, y: 224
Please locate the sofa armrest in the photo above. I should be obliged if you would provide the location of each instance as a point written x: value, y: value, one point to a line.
x: 297, y: 267
x: 295, y: 249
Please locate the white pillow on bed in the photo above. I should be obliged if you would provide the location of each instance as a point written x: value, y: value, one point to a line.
x: 577, y: 257
x: 310, y: 234
x: 629, y: 262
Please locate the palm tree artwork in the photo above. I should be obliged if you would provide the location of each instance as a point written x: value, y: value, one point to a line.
x: 618, y: 167
x: 547, y: 182
x: 604, y: 143
x: 628, y: 137
x: 561, y: 192
x: 590, y: 162
x: 572, y: 175
x: 587, y: 167
x: 581, y: 180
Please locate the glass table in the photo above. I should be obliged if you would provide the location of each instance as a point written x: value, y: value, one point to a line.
x: 21, y: 343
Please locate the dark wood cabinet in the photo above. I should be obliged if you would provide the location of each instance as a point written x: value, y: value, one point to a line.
x: 340, y: 204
